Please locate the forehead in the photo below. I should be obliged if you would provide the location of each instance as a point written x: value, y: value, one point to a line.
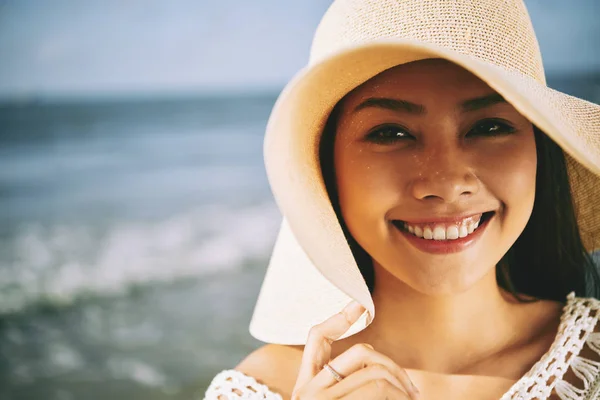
x: 421, y: 80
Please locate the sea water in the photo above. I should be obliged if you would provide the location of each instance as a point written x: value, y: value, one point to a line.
x: 134, y: 236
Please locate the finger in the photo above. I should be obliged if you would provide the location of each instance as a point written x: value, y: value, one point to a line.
x: 377, y: 390
x: 361, y: 378
x: 356, y: 358
x: 359, y: 356
x: 317, y: 351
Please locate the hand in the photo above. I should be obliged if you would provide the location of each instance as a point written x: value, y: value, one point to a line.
x: 367, y: 373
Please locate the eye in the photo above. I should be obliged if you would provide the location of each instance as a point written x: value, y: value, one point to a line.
x: 491, y: 127
x: 388, y: 134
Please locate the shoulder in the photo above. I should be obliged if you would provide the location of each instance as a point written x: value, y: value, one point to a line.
x: 275, y: 366
x: 267, y: 373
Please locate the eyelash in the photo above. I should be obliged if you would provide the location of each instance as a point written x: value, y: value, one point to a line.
x: 500, y: 128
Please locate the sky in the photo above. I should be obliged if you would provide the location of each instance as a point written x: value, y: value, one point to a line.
x: 95, y: 47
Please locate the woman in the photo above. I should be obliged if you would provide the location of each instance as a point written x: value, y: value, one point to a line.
x: 426, y: 172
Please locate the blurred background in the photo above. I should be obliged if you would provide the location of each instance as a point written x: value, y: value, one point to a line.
x: 135, y: 216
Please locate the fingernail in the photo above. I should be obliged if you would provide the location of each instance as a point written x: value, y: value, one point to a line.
x: 354, y: 306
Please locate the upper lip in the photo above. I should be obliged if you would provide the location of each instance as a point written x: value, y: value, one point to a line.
x: 442, y: 219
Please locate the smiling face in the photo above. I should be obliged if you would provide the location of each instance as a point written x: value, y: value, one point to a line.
x: 435, y: 174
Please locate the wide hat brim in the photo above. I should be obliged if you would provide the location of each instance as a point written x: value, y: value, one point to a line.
x: 312, y: 273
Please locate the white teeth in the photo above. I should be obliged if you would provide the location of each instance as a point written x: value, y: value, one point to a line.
x: 452, y: 232
x: 439, y: 233
x: 443, y: 232
x: 427, y: 233
x: 418, y: 231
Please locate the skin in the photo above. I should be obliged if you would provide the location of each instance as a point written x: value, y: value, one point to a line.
x: 443, y: 169
x: 438, y: 313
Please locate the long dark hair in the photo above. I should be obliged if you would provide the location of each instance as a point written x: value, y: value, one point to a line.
x: 547, y: 261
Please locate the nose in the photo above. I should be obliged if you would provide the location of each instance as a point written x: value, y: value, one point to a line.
x: 444, y: 174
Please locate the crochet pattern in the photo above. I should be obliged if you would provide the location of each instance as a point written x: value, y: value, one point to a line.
x: 234, y: 385
x: 545, y: 379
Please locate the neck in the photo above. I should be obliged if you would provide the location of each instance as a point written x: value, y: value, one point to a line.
x: 441, y: 333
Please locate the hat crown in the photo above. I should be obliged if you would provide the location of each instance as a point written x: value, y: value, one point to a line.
x: 496, y: 31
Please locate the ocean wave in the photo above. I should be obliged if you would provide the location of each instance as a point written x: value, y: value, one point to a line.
x: 61, y: 263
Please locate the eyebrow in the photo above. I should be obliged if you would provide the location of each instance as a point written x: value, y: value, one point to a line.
x: 391, y: 104
x: 482, y: 102
x: 417, y: 109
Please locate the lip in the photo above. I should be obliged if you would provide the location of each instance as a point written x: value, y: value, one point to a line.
x: 446, y: 246
x: 444, y: 220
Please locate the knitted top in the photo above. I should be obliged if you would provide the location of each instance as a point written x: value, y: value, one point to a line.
x: 569, y: 370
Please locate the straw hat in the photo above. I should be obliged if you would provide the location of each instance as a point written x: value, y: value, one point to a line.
x: 312, y: 273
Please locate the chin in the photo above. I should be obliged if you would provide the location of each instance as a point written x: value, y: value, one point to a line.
x: 451, y: 280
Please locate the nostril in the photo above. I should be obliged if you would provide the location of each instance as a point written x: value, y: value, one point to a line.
x: 448, y: 188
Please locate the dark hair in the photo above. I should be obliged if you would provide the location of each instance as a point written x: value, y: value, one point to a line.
x: 548, y: 260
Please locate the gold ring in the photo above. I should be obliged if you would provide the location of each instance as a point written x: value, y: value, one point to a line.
x: 336, y: 375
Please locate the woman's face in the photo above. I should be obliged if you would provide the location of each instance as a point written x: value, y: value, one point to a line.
x: 435, y: 174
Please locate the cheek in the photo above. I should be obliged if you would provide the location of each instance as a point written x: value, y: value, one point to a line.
x: 368, y: 185
x: 510, y: 174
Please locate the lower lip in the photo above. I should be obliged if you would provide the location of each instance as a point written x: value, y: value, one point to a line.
x: 433, y: 246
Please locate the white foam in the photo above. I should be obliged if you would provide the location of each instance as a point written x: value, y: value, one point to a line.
x: 62, y: 358
x: 137, y: 371
x: 59, y: 264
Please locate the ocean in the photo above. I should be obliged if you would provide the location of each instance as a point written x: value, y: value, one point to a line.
x: 134, y: 235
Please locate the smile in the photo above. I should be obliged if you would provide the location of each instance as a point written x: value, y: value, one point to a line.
x: 444, y: 231
x: 447, y: 236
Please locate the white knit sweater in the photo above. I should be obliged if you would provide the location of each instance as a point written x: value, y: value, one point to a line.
x: 578, y: 333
